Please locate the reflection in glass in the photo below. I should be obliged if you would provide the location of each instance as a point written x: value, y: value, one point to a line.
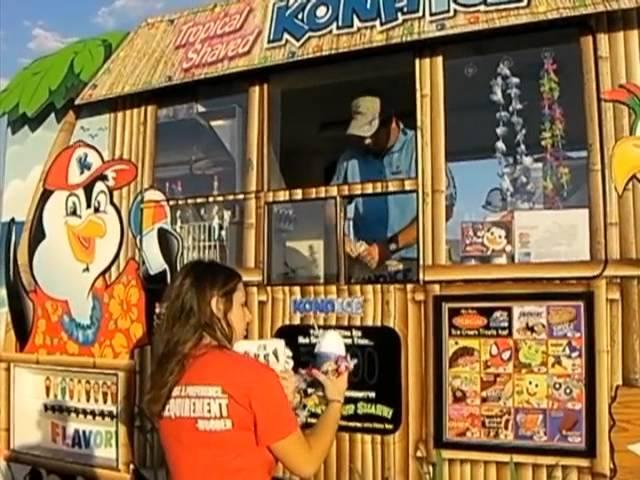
x: 381, y: 238
x: 210, y: 231
x: 517, y: 147
x: 302, y: 246
x: 200, y: 147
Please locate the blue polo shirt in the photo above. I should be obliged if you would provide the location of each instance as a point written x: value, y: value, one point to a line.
x: 375, y: 218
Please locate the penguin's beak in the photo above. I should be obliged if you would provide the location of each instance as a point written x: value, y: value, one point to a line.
x: 82, y: 238
x: 625, y: 162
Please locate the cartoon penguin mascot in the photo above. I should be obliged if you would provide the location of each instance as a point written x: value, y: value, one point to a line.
x: 75, y: 238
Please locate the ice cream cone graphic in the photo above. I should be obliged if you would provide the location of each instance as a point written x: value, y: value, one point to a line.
x: 47, y: 387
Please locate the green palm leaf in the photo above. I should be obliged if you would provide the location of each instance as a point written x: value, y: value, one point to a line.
x: 89, y: 58
x: 46, y: 76
x: 55, y: 79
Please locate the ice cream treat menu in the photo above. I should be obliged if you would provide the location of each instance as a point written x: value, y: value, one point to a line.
x: 515, y: 373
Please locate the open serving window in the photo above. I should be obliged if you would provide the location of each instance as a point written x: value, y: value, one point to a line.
x: 514, y: 373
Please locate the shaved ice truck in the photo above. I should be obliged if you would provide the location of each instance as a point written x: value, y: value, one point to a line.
x: 439, y: 196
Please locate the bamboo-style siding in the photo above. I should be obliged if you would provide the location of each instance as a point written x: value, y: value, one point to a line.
x: 618, y: 53
x: 371, y: 457
x: 610, y: 57
x: 607, y: 58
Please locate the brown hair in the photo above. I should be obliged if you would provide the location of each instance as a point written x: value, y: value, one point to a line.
x: 187, y: 319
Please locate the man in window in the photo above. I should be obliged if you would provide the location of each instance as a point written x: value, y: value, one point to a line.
x: 381, y: 230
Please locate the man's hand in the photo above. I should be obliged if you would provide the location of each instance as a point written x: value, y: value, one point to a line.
x: 375, y: 255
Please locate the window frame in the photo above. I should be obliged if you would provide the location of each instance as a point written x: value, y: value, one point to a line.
x: 340, y: 192
x: 440, y: 269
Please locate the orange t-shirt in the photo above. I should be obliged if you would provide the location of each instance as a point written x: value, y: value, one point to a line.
x: 221, y: 417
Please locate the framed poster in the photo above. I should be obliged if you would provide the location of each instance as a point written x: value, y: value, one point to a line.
x: 515, y: 373
x: 373, y: 403
x: 69, y: 413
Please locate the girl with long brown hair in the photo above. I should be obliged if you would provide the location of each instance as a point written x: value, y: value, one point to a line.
x: 220, y: 414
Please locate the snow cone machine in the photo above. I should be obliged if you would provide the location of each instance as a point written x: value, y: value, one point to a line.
x: 481, y: 275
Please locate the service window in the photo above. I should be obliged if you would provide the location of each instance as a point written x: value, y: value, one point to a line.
x: 302, y: 245
x: 200, y: 145
x: 517, y: 148
x: 347, y: 123
x: 210, y: 231
x: 381, y: 238
x: 321, y: 115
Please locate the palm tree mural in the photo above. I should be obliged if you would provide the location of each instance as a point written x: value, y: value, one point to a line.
x: 49, y: 86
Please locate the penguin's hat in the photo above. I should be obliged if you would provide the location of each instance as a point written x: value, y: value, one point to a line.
x: 80, y: 163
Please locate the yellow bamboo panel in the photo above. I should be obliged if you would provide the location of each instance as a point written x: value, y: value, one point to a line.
x: 608, y: 135
x: 602, y: 461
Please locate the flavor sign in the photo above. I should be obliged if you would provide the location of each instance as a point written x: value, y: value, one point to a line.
x: 73, y: 414
x: 515, y: 373
x: 222, y: 36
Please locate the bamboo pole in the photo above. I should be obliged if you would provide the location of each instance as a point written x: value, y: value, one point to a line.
x: 608, y: 136
x: 439, y: 156
x: 431, y: 290
x: 253, y: 159
x: 424, y: 158
x: 614, y: 295
x: 415, y: 372
x: 368, y: 320
x: 330, y: 464
x: 378, y: 451
x: 125, y: 415
x: 5, y: 407
x: 355, y: 439
x: 596, y: 194
x: 601, y: 464
x: 621, y: 128
x: 149, y: 159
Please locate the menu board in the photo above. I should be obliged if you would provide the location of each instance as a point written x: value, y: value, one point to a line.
x: 373, y: 402
x: 65, y: 413
x: 515, y: 373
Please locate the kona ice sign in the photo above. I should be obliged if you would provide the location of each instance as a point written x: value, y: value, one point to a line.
x: 296, y: 21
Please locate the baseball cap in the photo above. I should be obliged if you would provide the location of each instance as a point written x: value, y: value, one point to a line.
x: 365, y: 116
x: 80, y: 163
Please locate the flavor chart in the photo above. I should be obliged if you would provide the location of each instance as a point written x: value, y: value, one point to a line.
x: 514, y: 374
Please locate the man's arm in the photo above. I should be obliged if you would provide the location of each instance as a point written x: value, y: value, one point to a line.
x: 406, y: 237
x: 380, y: 252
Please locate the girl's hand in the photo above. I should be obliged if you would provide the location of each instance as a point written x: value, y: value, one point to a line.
x: 289, y: 383
x: 334, y: 387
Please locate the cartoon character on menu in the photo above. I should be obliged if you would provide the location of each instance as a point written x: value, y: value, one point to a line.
x: 565, y: 356
x: 500, y: 355
x: 74, y: 239
x: 464, y: 389
x: 531, y: 391
x: 496, y: 242
x: 531, y: 355
x: 566, y: 392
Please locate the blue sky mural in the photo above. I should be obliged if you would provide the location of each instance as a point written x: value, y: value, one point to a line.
x: 32, y: 28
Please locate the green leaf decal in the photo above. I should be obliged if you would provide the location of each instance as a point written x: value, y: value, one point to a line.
x: 89, y: 59
x: 56, y: 79
x: 114, y: 39
x: 48, y: 73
